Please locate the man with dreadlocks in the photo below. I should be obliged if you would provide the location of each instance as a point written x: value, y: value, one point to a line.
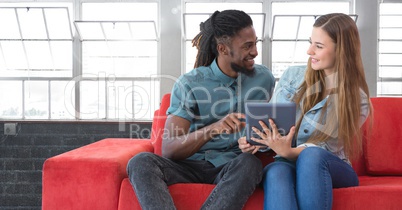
x: 205, y: 120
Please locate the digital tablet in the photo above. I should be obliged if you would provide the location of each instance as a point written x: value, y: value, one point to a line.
x: 283, y: 114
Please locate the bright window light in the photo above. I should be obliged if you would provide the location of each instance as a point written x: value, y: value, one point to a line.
x: 390, y: 50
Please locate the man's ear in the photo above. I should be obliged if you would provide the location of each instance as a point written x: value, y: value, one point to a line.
x: 222, y: 49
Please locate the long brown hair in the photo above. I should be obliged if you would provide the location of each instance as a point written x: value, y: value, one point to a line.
x: 342, y: 120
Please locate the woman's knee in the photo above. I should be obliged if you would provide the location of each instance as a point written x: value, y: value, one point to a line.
x: 311, y: 155
x: 278, y: 169
x: 278, y: 175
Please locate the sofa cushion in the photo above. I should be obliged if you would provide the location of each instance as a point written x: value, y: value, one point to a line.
x: 89, y: 177
x: 384, y: 143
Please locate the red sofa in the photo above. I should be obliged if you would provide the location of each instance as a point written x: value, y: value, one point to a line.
x: 94, y: 176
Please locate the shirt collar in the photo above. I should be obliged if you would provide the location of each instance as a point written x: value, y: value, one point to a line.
x: 223, y: 77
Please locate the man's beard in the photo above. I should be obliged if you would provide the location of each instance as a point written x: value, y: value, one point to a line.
x: 240, y: 69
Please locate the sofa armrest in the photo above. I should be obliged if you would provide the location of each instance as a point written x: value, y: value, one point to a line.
x: 89, y: 177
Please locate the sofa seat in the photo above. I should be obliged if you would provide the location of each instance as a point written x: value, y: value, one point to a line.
x: 185, y: 196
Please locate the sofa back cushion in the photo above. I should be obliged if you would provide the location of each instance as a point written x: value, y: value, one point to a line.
x: 158, y: 124
x: 383, y: 146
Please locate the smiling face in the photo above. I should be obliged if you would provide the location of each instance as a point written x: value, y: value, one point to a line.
x: 322, y: 51
x: 239, y: 55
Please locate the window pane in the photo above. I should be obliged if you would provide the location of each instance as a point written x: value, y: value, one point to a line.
x: 191, y: 55
x: 36, y: 99
x: 192, y: 24
x: 62, y: 59
x: 32, y: 23
x: 58, y: 23
x: 390, y: 88
x: 301, y: 52
x: 93, y: 100
x: 14, y: 58
x: 289, y: 31
x: 39, y: 57
x: 391, y: 21
x: 306, y: 24
x: 12, y: 107
x: 120, y: 59
x: 89, y: 30
x: 143, y: 100
x: 8, y: 21
x: 390, y: 72
x: 117, y: 30
x: 119, y: 11
x: 46, y: 59
x: 212, y: 7
x: 143, y: 30
x: 120, y: 100
x: 309, y: 8
x: 390, y: 47
x: 62, y: 100
x: 390, y: 9
x: 391, y: 33
x: 390, y: 59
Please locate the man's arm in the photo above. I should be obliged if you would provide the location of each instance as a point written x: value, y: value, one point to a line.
x: 178, y: 143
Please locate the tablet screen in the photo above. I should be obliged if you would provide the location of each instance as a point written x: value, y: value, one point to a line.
x: 283, y: 114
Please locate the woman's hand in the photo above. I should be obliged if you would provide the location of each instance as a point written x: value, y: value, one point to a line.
x: 247, y: 147
x: 282, y: 145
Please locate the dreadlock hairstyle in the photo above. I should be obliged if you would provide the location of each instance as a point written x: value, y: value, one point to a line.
x: 343, y: 119
x: 218, y: 29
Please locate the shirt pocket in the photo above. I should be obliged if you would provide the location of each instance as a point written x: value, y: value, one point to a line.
x: 284, y: 94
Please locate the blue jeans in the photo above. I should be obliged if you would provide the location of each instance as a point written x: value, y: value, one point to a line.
x: 307, y: 183
x: 235, y: 181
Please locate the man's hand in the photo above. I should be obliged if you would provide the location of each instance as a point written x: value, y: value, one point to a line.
x: 231, y: 123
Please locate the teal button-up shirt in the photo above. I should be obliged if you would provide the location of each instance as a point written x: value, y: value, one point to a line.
x: 205, y: 95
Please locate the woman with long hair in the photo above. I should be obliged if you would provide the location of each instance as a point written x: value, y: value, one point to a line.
x: 332, y: 100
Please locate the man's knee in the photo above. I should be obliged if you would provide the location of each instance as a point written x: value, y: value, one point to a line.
x: 140, y: 161
x: 250, y: 164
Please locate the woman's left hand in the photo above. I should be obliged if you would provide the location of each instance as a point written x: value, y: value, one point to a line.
x: 282, y: 145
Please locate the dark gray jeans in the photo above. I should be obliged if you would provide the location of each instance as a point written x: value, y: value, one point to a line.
x: 235, y: 181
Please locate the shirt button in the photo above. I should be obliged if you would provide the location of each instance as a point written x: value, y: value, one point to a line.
x: 305, y: 131
x: 313, y: 112
x: 288, y: 95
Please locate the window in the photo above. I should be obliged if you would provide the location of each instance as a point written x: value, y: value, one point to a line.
x: 119, y: 60
x: 390, y: 50
x: 35, y: 59
x: 291, y: 28
x: 98, y: 65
